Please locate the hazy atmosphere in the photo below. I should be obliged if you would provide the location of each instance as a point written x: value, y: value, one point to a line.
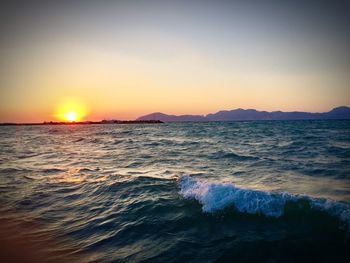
x: 124, y: 59
x: 174, y: 131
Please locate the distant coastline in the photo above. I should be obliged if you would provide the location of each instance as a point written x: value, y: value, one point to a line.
x: 338, y: 113
x: 83, y: 122
x: 342, y: 112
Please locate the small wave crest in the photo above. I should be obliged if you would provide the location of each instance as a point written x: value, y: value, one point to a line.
x: 217, y: 196
x: 233, y: 156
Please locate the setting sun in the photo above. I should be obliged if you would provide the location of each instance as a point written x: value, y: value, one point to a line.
x: 71, y: 110
x: 71, y: 116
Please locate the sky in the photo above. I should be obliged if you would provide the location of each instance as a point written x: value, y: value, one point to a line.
x: 124, y: 59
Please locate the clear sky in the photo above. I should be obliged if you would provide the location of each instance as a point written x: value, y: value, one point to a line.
x: 123, y: 59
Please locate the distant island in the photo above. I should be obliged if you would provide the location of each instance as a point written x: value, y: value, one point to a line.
x: 342, y: 112
x: 85, y: 122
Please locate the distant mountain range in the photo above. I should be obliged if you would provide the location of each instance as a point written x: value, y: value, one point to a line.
x: 251, y: 114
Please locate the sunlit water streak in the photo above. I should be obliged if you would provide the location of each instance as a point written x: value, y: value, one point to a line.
x: 183, y: 191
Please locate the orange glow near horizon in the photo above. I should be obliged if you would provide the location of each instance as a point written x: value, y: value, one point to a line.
x: 71, y: 110
x: 119, y: 60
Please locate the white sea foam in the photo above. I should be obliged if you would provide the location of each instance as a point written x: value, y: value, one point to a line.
x: 217, y: 196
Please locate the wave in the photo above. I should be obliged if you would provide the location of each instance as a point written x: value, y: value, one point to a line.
x: 53, y: 170
x: 217, y: 196
x: 13, y: 170
x: 79, y: 139
x: 233, y: 156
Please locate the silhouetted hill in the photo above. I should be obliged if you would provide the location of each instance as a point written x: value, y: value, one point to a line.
x: 252, y: 114
x: 172, y: 118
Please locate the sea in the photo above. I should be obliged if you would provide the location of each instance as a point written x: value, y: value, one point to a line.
x: 250, y: 191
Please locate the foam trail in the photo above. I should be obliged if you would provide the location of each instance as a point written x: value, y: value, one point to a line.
x: 217, y: 196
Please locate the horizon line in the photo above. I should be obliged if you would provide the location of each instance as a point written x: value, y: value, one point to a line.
x: 115, y: 120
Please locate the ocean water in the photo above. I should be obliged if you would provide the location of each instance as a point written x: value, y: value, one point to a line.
x: 272, y: 191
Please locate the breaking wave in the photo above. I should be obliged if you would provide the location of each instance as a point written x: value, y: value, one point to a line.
x: 217, y: 196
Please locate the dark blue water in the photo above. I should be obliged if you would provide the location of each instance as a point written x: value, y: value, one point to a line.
x: 274, y: 191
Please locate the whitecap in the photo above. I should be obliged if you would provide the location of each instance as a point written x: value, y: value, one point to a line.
x: 218, y: 196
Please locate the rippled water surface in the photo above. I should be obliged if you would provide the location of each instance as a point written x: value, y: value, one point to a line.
x: 180, y: 192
